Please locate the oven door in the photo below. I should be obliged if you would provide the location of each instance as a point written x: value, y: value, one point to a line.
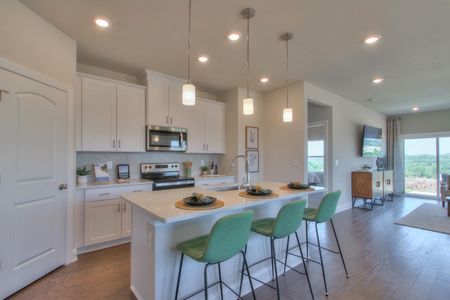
x: 166, y: 138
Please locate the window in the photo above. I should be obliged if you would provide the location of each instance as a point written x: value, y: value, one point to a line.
x: 316, y: 159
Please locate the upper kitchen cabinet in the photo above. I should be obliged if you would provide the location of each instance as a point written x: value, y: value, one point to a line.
x: 164, y: 105
x: 111, y: 115
x: 206, y: 127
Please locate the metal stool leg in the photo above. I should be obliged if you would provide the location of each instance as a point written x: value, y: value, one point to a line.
x: 249, y: 276
x: 220, y: 282
x: 339, y: 247
x: 242, y: 270
x: 205, y: 277
x: 275, y: 265
x: 179, y: 276
x: 307, y: 243
x: 285, y: 258
x: 272, y: 260
x: 304, y: 265
x: 321, y: 261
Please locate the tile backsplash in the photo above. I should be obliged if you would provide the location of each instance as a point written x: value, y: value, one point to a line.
x: 135, y: 159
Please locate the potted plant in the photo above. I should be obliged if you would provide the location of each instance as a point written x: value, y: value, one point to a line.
x: 204, y: 170
x: 82, y: 173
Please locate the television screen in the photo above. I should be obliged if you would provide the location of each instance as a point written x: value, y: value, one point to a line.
x: 372, y: 142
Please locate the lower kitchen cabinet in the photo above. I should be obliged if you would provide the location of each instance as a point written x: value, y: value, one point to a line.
x: 102, y: 216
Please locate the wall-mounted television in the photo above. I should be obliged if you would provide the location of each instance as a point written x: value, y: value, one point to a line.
x: 371, y: 142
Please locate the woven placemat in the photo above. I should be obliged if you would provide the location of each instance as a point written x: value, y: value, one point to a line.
x: 271, y: 196
x: 182, y: 205
x: 286, y: 188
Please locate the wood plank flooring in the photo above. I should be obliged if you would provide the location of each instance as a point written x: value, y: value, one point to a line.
x: 385, y: 261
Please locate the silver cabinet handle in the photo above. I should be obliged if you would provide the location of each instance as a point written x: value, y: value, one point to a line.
x: 120, y: 207
x: 171, y: 119
x: 1, y: 92
x: 114, y: 143
x: 104, y: 194
x: 167, y: 120
x: 119, y: 144
x: 138, y: 191
x: 124, y: 207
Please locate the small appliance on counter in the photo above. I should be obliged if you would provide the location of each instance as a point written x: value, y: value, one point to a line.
x: 165, y: 176
x: 160, y: 138
x: 123, y: 171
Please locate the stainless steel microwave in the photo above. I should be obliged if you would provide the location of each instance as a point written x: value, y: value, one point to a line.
x: 159, y: 138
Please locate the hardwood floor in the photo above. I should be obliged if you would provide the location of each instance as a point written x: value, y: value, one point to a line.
x: 385, y: 261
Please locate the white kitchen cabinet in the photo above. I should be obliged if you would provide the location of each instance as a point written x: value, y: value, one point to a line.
x: 112, y: 115
x: 98, y: 115
x: 107, y: 217
x: 103, y: 221
x: 214, y: 127
x: 206, y: 127
x: 130, y: 118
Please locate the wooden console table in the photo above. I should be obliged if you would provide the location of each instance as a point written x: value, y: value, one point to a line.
x: 371, y: 186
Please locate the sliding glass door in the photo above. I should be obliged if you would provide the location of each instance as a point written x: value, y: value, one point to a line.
x: 426, y: 158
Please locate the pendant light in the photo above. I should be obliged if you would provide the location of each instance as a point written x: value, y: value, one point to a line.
x: 189, y: 88
x: 287, y: 112
x: 248, y: 108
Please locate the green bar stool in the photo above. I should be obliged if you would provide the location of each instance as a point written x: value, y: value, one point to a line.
x: 228, y: 236
x: 287, y: 222
x: 324, y: 213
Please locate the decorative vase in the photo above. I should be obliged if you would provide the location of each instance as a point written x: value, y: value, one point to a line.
x: 204, y: 173
x: 82, y: 179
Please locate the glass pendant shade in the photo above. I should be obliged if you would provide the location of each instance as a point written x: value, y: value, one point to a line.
x: 248, y: 106
x: 188, y: 94
x: 287, y: 115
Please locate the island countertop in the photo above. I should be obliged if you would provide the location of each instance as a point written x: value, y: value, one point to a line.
x: 161, y: 204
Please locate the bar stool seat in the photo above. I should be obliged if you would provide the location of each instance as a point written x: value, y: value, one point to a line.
x: 287, y: 222
x: 310, y: 214
x: 228, y: 237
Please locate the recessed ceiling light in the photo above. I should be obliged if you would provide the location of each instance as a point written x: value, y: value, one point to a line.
x: 102, y: 22
x: 264, y: 80
x: 372, y: 39
x: 203, y: 59
x: 234, y: 36
x: 377, y: 80
x: 415, y: 108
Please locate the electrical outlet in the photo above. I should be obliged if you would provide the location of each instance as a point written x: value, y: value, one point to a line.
x: 202, y: 162
x: 109, y: 165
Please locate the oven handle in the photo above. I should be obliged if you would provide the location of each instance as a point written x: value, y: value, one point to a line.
x: 176, y: 183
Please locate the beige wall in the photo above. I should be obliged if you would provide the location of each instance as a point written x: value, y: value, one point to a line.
x: 348, y: 119
x: 29, y: 40
x: 285, y: 143
x: 235, y: 124
x: 425, y: 122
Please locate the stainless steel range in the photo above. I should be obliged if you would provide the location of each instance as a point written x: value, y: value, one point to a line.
x: 165, y: 176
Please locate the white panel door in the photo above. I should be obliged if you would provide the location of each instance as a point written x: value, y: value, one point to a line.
x: 102, y: 221
x: 33, y: 155
x: 130, y: 118
x: 215, y: 127
x: 158, y: 101
x: 98, y: 115
x: 196, y: 128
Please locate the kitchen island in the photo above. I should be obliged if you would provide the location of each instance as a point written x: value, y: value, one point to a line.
x: 158, y: 226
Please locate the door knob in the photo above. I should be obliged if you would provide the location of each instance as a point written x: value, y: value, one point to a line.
x: 63, y: 186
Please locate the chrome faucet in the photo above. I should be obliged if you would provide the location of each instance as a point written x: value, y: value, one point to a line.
x: 246, y: 181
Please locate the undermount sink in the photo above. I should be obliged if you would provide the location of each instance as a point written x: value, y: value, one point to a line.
x: 224, y: 188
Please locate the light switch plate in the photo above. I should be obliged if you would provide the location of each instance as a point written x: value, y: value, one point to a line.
x: 109, y: 165
x: 337, y: 163
x: 202, y: 162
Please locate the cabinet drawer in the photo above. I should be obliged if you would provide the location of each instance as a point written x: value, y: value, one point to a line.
x: 114, y: 192
x: 214, y: 181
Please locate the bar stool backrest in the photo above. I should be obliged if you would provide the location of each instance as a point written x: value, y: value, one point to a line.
x: 289, y: 219
x: 327, y: 207
x: 228, y: 237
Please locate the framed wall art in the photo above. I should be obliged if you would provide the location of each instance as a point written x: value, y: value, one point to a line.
x: 251, y: 137
x: 253, y: 157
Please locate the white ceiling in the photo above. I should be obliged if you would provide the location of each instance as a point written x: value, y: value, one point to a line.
x: 413, y: 55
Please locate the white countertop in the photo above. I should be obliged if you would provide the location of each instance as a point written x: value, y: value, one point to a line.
x: 161, y: 204
x: 103, y: 184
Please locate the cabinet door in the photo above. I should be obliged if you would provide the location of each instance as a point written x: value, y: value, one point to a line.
x: 196, y: 128
x: 126, y: 219
x: 130, y: 118
x: 103, y: 221
x: 158, y: 101
x: 215, y: 127
x: 377, y: 178
x: 388, y: 182
x: 98, y: 115
x: 178, y: 113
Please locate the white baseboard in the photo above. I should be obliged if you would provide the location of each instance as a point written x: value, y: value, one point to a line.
x: 95, y: 247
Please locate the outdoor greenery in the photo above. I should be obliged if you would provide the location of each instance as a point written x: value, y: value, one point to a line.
x: 420, y: 172
x: 315, y: 164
